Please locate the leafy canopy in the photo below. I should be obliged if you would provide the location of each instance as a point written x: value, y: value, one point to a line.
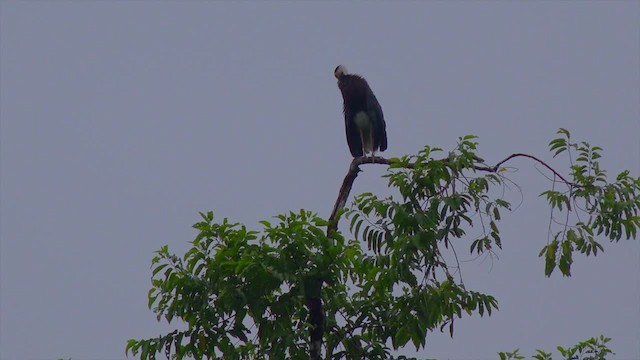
x: 244, y: 294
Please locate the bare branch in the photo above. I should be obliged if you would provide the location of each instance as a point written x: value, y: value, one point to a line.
x: 347, y: 184
x: 497, y: 167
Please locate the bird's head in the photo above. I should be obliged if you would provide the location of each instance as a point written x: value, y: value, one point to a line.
x: 340, y: 71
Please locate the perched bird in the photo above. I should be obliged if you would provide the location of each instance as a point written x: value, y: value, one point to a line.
x: 363, y: 118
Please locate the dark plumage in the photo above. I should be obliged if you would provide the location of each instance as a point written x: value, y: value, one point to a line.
x: 363, y: 118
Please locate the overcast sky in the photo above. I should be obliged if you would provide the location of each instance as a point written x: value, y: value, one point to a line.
x: 121, y: 120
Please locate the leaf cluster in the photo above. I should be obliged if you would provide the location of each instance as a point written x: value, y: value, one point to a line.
x: 598, y: 205
x: 406, y: 283
x: 590, y: 349
x: 241, y: 293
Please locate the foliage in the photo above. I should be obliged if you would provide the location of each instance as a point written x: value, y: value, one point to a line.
x: 599, y: 206
x: 243, y: 294
x: 591, y: 349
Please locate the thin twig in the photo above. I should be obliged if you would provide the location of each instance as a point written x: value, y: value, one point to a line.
x: 497, y: 167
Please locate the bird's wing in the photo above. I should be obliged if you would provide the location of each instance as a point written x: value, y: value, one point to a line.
x: 377, y: 118
x: 353, y: 135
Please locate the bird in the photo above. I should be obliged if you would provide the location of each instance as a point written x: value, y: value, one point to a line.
x: 363, y: 117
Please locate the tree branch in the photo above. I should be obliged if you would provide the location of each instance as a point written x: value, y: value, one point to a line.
x: 495, y: 168
x: 316, y: 313
x: 354, y: 169
x: 347, y: 184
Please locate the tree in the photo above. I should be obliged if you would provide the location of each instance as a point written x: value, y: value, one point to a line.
x: 590, y: 349
x: 299, y: 288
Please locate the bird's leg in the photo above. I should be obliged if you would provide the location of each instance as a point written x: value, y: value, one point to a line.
x: 364, y: 148
x: 373, y: 144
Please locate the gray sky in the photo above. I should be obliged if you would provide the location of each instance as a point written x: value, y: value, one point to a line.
x: 121, y: 120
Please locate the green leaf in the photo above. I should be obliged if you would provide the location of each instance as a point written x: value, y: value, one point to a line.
x: 159, y: 268
x: 402, y: 337
x: 550, y: 257
x: 565, y: 258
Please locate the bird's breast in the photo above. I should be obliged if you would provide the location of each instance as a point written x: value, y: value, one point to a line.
x: 362, y: 120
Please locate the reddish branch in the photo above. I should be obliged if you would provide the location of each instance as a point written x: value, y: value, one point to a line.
x: 497, y: 167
